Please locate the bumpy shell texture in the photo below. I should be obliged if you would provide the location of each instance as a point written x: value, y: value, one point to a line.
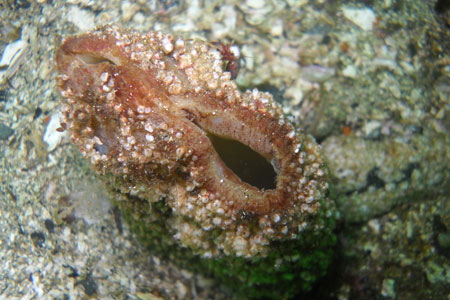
x: 162, y: 121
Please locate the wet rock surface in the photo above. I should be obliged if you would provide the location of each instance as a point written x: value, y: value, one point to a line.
x: 374, y: 95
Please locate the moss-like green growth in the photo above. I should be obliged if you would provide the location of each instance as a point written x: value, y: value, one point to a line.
x: 289, y: 268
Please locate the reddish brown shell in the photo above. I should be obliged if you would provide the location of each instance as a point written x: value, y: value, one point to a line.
x: 143, y: 109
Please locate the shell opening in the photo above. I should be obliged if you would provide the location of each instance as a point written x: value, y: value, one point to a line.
x: 246, y: 163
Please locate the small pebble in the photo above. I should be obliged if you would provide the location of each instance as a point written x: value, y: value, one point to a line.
x: 5, y: 132
x: 38, y: 239
x: 49, y: 225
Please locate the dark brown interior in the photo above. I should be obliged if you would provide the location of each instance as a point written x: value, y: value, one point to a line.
x: 247, y: 164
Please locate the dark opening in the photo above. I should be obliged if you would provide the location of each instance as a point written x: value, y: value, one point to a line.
x: 247, y: 164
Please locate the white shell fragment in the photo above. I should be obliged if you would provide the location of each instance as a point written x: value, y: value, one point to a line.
x: 317, y: 73
x: 82, y: 18
x: 12, y: 58
x: 350, y: 71
x: 51, y: 136
x: 363, y: 17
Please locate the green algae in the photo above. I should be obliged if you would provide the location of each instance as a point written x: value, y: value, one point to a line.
x: 291, y: 267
